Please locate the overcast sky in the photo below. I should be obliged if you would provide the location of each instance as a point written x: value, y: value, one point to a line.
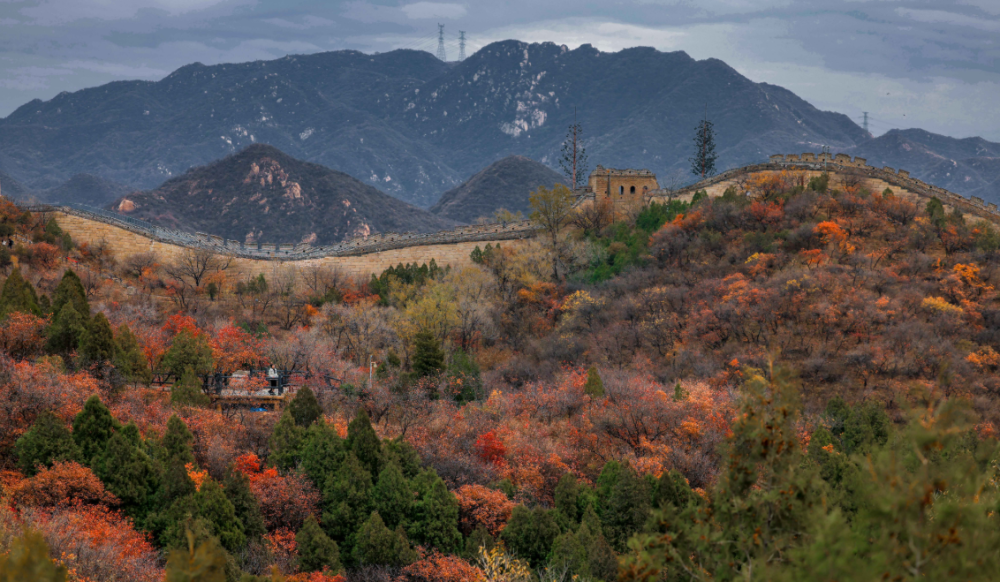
x: 933, y: 64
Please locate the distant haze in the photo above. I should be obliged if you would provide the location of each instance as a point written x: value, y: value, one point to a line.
x: 930, y: 64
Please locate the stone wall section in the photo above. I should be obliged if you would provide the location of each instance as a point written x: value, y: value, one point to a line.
x: 359, y: 260
x: 839, y: 167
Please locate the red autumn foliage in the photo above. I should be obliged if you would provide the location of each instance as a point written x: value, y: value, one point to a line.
x: 96, y: 543
x: 482, y: 506
x: 438, y: 567
x: 490, y: 449
x: 22, y: 335
x: 235, y: 349
x: 285, y: 500
x: 65, y: 483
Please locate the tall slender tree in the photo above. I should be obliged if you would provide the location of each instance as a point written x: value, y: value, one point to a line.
x: 573, y: 161
x: 703, y: 162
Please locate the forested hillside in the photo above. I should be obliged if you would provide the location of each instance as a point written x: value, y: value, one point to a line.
x: 792, y: 381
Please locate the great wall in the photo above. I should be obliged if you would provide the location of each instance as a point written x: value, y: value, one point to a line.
x: 363, y: 256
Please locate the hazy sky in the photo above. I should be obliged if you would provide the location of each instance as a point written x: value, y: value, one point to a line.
x: 933, y: 64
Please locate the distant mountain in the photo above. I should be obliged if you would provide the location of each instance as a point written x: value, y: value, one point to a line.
x: 412, y: 125
x: 262, y: 194
x: 85, y: 189
x: 970, y: 166
x: 504, y: 184
x: 13, y: 189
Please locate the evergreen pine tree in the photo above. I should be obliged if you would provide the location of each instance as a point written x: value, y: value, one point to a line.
x: 626, y: 509
x: 27, y: 559
x: 566, y: 494
x: 47, y: 441
x: 479, y: 538
x: 602, y: 562
x: 435, y: 514
x: 237, y: 488
x: 606, y: 480
x: 392, y: 495
x: 530, y: 533
x: 66, y: 330
x: 322, y: 452
x: 97, y: 342
x: 128, y: 472
x: 286, y: 442
x: 188, y: 350
x: 175, y: 483
x: 187, y: 391
x: 129, y: 359
x: 347, y: 501
x: 703, y: 162
x: 214, y: 507
x: 377, y: 545
x: 70, y: 290
x: 92, y: 428
x: 573, y: 161
x: 18, y: 295
x: 403, y: 454
x: 680, y: 393
x: 428, y: 359
x: 362, y: 440
x: 570, y: 554
x: 304, y: 407
x: 176, y: 442
x: 316, y: 550
x: 205, y: 562
x: 672, y: 489
x: 594, y: 386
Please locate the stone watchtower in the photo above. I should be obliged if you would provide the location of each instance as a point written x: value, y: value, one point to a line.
x: 609, y: 183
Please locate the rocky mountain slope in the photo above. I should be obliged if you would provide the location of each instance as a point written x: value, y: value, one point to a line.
x: 968, y: 166
x: 503, y: 184
x: 409, y: 124
x: 262, y: 194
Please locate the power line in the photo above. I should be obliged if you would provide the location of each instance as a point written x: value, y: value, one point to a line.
x: 866, y: 122
x: 461, y: 45
x: 440, y: 52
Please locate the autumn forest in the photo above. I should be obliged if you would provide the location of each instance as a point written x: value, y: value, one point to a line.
x: 794, y: 381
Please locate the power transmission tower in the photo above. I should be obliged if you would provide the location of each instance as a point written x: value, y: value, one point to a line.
x: 866, y: 122
x: 461, y: 45
x: 441, y: 55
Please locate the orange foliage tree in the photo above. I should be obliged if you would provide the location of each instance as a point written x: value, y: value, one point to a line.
x: 438, y: 567
x: 65, y: 483
x: 22, y: 335
x: 482, y: 506
x: 235, y: 349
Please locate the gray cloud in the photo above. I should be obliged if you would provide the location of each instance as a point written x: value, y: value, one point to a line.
x: 910, y: 63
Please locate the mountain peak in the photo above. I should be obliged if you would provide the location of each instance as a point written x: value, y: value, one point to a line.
x: 506, y: 183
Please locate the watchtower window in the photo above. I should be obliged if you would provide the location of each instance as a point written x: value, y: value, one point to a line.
x: 621, y: 190
x: 631, y: 190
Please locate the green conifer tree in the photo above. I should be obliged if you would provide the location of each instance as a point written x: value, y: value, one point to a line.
x: 530, y: 533
x: 237, y: 488
x: 205, y: 562
x: 92, y: 428
x: 347, y: 501
x: 214, y: 507
x: 434, y: 521
x: 377, y: 545
x: 128, y: 472
x: 176, y: 442
x: 175, y: 483
x: 66, y: 330
x: 70, y: 290
x: 364, y: 443
x: 97, y: 342
x: 428, y: 359
x: 187, y: 391
x: 392, y: 495
x: 304, y: 407
x: 27, y: 559
x: 567, y: 493
x: 129, y: 359
x: 188, y: 350
x: 672, y: 489
x: 594, y: 386
x: 626, y: 509
x: 18, y: 295
x: 399, y: 451
x: 316, y: 550
x: 47, y: 441
x: 286, y: 442
x: 322, y: 453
